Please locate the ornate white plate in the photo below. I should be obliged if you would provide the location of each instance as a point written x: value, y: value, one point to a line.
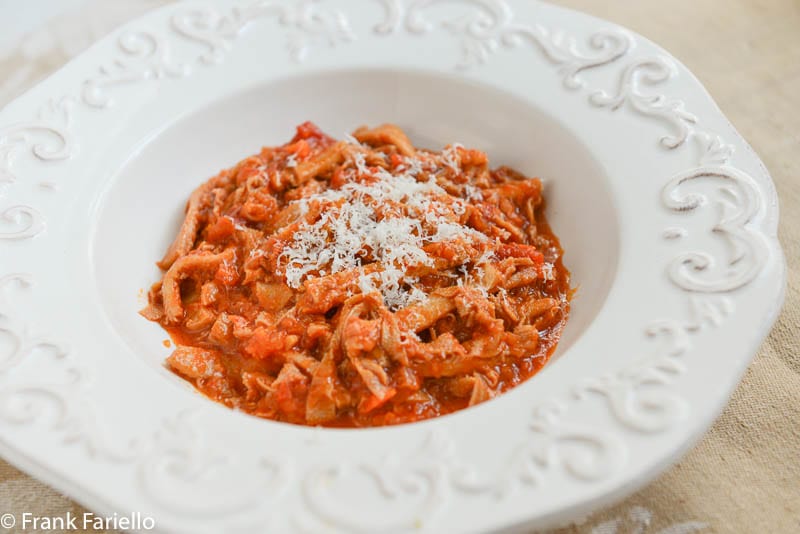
x: 667, y: 216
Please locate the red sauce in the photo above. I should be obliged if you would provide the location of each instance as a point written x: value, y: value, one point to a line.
x: 368, y: 328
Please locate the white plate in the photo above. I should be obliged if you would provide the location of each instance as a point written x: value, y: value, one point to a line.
x: 667, y: 216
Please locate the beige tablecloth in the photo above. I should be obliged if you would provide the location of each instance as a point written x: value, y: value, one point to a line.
x: 744, y: 476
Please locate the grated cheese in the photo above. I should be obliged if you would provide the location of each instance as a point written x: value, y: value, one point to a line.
x: 451, y: 157
x: 473, y: 193
x: 350, y: 139
x: 385, y: 218
x: 547, y: 271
